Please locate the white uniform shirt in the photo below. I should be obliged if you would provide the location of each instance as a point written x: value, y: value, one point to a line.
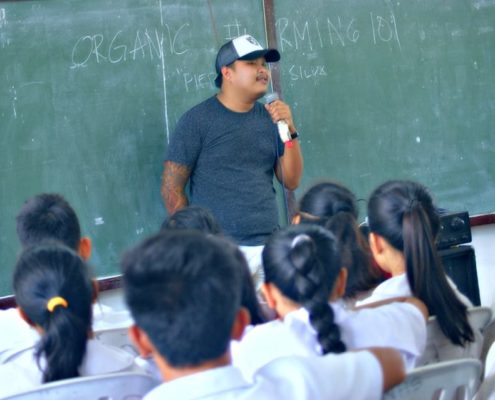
x: 397, y: 325
x: 16, y: 333
x: 20, y: 371
x: 356, y: 376
x: 398, y: 286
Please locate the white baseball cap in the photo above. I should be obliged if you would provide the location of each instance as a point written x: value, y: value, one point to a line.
x: 244, y: 47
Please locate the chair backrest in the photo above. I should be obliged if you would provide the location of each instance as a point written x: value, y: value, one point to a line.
x: 119, y: 386
x: 449, y: 380
x: 117, y: 337
x: 479, y: 317
x: 489, y: 339
x: 486, y: 390
x: 440, y: 348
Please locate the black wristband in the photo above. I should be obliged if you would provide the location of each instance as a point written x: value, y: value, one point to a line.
x: 294, y: 135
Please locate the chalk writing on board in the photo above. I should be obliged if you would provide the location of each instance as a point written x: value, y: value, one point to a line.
x: 3, y: 18
x: 299, y: 72
x: 4, y: 38
x: 336, y: 31
x: 13, y: 92
x: 147, y: 44
x: 197, y: 81
x: 383, y: 29
x: 234, y: 30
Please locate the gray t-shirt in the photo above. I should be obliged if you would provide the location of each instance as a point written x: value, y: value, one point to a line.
x: 232, y: 157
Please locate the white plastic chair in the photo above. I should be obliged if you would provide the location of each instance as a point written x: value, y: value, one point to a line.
x: 117, y: 337
x: 489, y: 339
x: 447, y: 380
x: 119, y: 386
x: 486, y: 390
x: 440, y: 348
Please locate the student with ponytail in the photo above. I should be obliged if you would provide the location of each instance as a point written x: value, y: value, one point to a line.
x: 47, y: 216
x: 54, y: 293
x: 333, y: 206
x: 304, y: 281
x: 403, y: 224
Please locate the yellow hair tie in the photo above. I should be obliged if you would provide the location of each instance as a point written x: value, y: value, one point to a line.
x: 56, y: 301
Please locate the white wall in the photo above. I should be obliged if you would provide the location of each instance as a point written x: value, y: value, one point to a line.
x: 484, y: 248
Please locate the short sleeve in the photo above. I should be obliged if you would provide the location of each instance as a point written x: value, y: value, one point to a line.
x: 184, y: 146
x: 398, y: 325
x: 353, y: 375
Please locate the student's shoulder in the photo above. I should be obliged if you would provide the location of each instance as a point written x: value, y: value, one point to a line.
x: 263, y: 333
x: 17, y: 378
x: 400, y: 314
x: 14, y: 331
x: 102, y: 359
x: 331, y: 376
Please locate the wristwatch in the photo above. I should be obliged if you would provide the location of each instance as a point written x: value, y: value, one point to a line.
x: 294, y: 135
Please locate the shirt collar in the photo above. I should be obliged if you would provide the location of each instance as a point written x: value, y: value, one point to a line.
x: 199, y: 385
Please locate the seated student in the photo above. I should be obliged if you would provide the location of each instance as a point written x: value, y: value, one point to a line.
x: 200, y: 219
x: 183, y: 290
x: 333, y: 206
x: 302, y: 274
x: 44, y: 217
x: 193, y: 217
x: 54, y: 293
x: 403, y: 225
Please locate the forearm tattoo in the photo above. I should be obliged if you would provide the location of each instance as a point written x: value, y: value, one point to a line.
x: 174, y: 179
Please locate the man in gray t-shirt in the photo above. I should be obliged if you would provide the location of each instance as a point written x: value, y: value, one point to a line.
x: 228, y: 148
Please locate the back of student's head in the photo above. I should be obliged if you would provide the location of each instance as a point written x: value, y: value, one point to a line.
x: 48, y: 216
x: 183, y: 289
x: 303, y: 262
x: 333, y: 206
x: 193, y: 217
x: 53, y: 288
x: 200, y: 219
x: 403, y: 213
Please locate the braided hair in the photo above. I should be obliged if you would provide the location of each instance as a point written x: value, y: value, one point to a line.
x: 303, y: 262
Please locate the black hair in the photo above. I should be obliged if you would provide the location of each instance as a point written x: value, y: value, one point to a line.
x: 48, y: 216
x: 193, y: 217
x: 303, y: 263
x: 184, y: 289
x: 199, y: 218
x: 41, y: 273
x: 333, y: 206
x: 403, y: 213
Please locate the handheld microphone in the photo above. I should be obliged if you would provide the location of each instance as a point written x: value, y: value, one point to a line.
x: 283, y: 128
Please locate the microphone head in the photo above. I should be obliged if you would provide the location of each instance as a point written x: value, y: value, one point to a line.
x: 271, y: 97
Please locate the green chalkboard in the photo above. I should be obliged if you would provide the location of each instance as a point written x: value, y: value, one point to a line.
x: 89, y: 93
x: 394, y: 89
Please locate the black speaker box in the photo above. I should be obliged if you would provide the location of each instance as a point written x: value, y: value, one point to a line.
x: 460, y: 265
